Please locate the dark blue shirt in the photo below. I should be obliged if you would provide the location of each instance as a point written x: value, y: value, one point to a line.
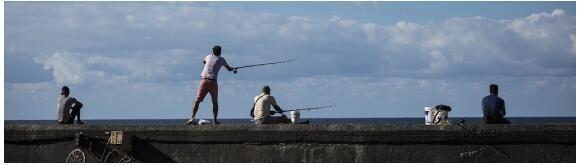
x: 493, y: 107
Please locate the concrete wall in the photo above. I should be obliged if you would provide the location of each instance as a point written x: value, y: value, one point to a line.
x: 306, y: 143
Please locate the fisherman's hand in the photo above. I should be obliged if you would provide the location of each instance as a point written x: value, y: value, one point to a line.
x: 271, y: 112
x: 235, y: 71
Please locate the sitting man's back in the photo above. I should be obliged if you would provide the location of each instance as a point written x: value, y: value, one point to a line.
x: 494, y: 107
x: 263, y: 103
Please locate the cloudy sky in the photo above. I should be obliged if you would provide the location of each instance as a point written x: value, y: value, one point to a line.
x: 142, y: 60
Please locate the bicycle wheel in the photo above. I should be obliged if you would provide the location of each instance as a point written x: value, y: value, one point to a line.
x: 76, y: 156
x: 117, y: 156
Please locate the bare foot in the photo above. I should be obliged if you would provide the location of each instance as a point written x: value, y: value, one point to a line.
x: 191, y: 121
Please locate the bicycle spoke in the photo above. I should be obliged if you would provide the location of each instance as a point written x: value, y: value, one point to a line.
x: 125, y: 159
x: 117, y: 156
x: 76, y: 156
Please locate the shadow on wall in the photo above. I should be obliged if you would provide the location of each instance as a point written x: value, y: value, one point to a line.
x: 144, y: 152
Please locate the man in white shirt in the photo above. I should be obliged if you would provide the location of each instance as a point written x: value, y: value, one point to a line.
x: 263, y: 103
x: 65, y: 104
x: 208, y: 82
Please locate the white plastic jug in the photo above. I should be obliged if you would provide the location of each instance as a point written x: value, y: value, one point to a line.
x: 295, y: 116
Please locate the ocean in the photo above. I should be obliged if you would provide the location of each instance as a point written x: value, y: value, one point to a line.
x: 469, y: 120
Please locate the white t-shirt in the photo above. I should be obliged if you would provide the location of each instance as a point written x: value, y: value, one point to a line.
x: 63, y: 105
x: 212, y: 65
x: 261, y: 109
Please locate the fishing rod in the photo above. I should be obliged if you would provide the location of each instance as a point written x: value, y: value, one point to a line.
x: 460, y: 124
x: 303, y: 109
x: 254, y: 65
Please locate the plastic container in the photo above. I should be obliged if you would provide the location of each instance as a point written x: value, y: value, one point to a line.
x: 427, y: 115
x: 295, y: 116
x: 204, y: 122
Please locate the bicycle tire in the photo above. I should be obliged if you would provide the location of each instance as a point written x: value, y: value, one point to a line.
x: 117, y: 156
x: 76, y: 156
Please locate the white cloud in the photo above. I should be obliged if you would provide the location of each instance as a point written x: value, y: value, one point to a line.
x: 540, y: 26
x: 76, y: 68
x: 344, y: 23
x: 65, y: 68
x: 403, y: 32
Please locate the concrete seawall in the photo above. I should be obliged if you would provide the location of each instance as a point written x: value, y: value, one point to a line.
x: 305, y: 143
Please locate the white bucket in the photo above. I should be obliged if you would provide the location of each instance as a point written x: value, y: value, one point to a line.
x: 295, y: 116
x: 427, y: 115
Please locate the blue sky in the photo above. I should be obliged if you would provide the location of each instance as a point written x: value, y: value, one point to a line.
x: 142, y: 60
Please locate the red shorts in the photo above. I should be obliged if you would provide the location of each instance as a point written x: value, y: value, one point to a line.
x: 207, y: 86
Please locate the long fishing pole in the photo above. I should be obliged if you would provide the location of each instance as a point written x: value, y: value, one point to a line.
x: 304, y: 109
x: 460, y: 125
x: 254, y: 65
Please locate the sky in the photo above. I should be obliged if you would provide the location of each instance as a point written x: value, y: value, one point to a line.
x: 142, y: 60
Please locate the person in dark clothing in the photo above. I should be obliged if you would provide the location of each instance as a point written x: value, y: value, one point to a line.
x: 493, y: 107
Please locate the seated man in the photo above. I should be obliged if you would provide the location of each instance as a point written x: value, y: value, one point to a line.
x: 261, y: 112
x: 65, y: 104
x: 494, y: 107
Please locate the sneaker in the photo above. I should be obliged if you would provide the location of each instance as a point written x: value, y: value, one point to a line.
x: 191, y: 121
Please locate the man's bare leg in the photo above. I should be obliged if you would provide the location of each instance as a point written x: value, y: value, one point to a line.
x: 77, y: 107
x: 195, y: 108
x: 215, y: 112
x: 78, y: 117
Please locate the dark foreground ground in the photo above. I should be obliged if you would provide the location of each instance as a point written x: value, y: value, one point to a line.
x: 305, y: 143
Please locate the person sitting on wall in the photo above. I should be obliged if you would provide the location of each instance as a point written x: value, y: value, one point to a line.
x: 65, y: 104
x: 494, y: 107
x: 261, y: 113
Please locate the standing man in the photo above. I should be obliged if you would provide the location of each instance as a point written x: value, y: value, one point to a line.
x: 263, y: 103
x: 494, y: 107
x: 64, y: 104
x: 208, y: 82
